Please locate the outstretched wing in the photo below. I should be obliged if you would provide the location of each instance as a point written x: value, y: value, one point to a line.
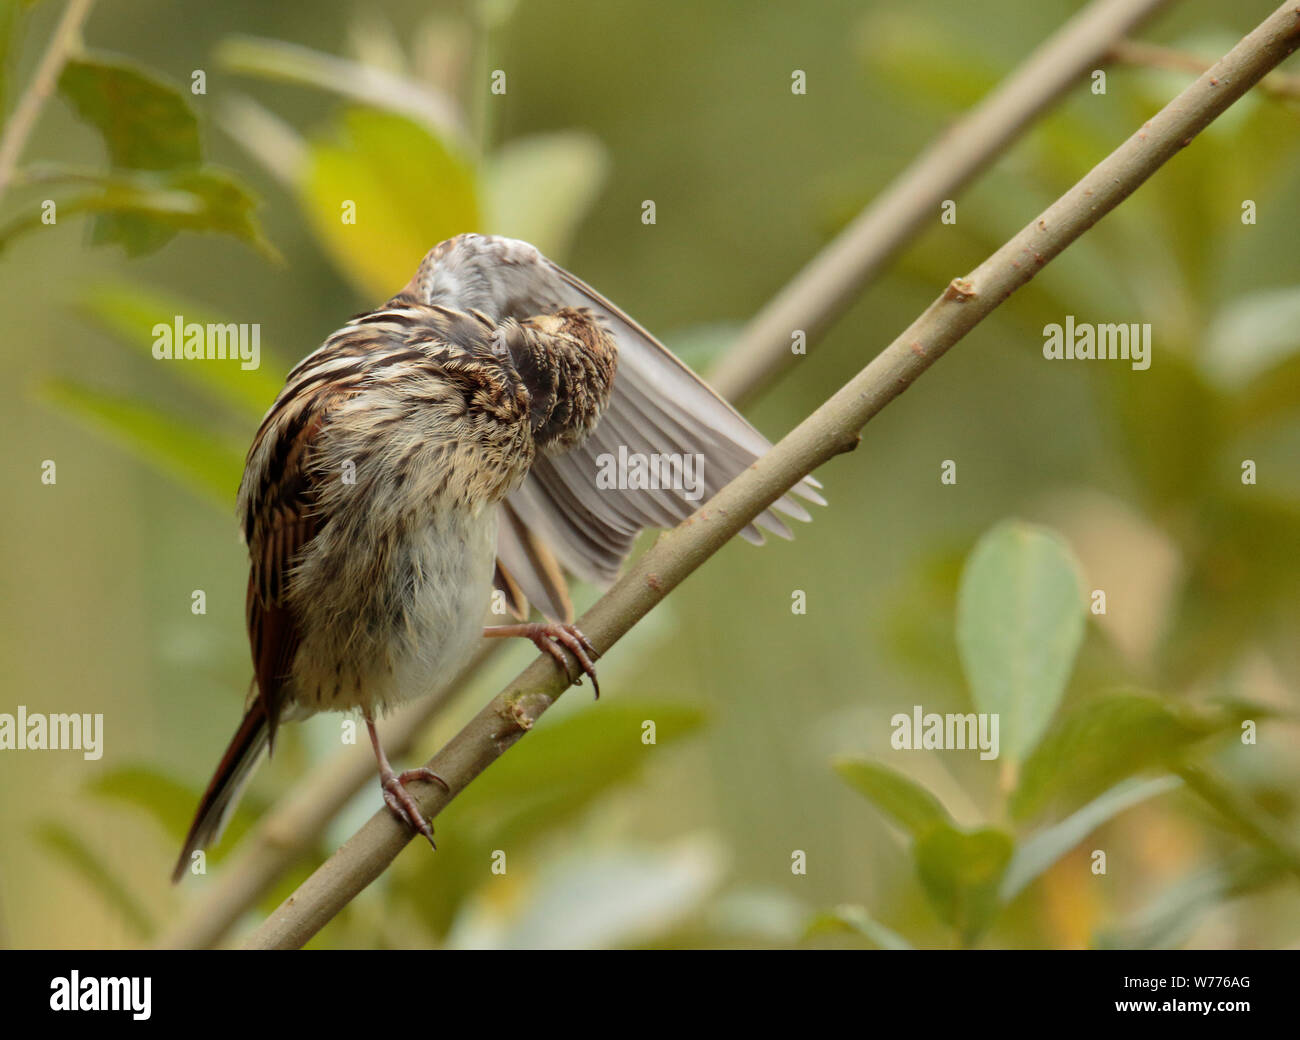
x: 658, y: 406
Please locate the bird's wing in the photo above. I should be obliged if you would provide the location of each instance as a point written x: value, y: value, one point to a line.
x: 658, y: 407
x: 277, y: 502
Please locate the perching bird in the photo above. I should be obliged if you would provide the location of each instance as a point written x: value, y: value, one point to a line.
x: 465, y: 435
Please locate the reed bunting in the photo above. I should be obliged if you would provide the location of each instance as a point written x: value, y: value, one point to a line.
x: 455, y: 440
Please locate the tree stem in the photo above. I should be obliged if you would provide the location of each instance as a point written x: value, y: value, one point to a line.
x: 67, y: 36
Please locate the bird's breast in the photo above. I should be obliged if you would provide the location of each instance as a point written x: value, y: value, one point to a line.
x: 405, y: 619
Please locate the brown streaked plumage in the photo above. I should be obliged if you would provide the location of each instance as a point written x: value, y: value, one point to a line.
x: 440, y: 445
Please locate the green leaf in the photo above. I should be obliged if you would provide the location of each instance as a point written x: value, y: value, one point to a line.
x: 208, y: 465
x: 1172, y: 423
x: 168, y: 801
x: 1035, y: 855
x: 172, y: 803
x: 130, y: 313
x: 221, y: 204
x: 68, y: 846
x: 599, y: 899
x: 855, y: 919
x: 909, y: 804
x: 531, y: 789
x: 1178, y: 908
x: 962, y: 873
x: 411, y: 191
x: 1110, y: 737
x: 904, y: 48
x: 143, y: 210
x: 1243, y: 815
x: 1251, y: 335
x: 1020, y: 620
x: 146, y: 123
x: 538, y: 188
x: 364, y: 84
x: 552, y: 775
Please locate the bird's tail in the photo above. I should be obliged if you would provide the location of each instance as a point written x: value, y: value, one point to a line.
x: 222, y: 795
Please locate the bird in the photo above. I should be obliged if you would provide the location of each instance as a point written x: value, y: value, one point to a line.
x: 461, y: 441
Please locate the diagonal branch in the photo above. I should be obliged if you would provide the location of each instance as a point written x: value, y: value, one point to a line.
x: 823, y: 290
x: 282, y: 836
x: 832, y: 429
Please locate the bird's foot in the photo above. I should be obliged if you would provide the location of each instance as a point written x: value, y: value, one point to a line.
x: 550, y: 636
x: 399, y: 799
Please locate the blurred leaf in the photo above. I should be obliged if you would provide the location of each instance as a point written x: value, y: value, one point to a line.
x: 1241, y: 582
x: 1178, y: 908
x: 69, y: 847
x: 910, y: 805
x: 1170, y: 423
x: 962, y: 872
x: 539, y: 188
x: 1252, y: 334
x: 221, y: 204
x: 855, y: 919
x: 365, y: 84
x: 208, y: 465
x: 1035, y: 855
x: 143, y: 210
x: 909, y: 51
x: 560, y: 769
x: 598, y: 899
x: 917, y: 619
x: 750, y: 915
x: 1271, y: 393
x: 130, y: 312
x: 172, y: 803
x: 1243, y: 815
x: 1020, y: 619
x: 1108, y: 738
x: 146, y: 123
x: 411, y: 192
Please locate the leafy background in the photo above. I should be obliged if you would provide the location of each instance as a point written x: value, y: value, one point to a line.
x: 1121, y: 732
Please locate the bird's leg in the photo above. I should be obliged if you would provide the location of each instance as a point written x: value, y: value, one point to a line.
x: 396, y: 795
x: 549, y: 636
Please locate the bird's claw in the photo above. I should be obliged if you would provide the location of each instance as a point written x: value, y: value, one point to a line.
x: 403, y: 806
x: 549, y: 637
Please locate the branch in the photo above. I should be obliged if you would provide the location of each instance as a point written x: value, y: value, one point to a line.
x: 831, y: 429
x: 1149, y: 55
x: 823, y: 290
x: 274, y: 845
x: 66, y: 37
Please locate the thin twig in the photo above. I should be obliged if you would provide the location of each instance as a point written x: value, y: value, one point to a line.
x: 1150, y: 55
x: 825, y: 288
x: 833, y: 428
x: 259, y: 861
x: 67, y: 36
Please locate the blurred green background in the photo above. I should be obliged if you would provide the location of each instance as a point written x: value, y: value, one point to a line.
x: 688, y: 842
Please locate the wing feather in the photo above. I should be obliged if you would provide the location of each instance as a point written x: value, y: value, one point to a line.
x: 658, y: 406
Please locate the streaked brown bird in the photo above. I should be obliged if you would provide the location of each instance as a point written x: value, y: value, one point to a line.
x: 466, y: 435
